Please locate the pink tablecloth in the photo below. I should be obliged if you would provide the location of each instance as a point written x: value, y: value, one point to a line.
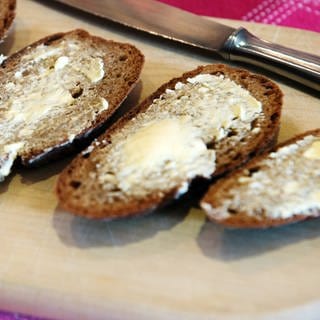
x: 15, y: 316
x: 304, y: 14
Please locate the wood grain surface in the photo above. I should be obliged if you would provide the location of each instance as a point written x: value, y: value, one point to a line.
x: 172, y: 264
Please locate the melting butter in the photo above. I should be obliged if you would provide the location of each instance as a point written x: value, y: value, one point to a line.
x: 29, y: 102
x: 165, y: 140
x: 313, y: 152
x: 10, y: 153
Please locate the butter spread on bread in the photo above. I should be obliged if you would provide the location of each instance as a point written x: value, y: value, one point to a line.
x: 202, y: 124
x: 170, y: 137
x: 60, y: 90
x: 275, y: 189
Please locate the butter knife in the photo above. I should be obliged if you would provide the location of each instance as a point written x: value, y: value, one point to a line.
x: 232, y: 44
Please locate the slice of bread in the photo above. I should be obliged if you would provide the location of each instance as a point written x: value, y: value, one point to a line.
x: 7, y: 15
x: 58, y: 92
x: 273, y: 189
x: 202, y: 124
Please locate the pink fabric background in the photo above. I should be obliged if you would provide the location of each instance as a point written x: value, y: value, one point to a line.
x: 16, y: 316
x: 304, y: 14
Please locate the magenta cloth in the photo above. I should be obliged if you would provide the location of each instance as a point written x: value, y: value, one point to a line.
x: 303, y: 14
x: 15, y: 316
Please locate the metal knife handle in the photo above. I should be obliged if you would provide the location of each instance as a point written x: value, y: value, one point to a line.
x: 293, y: 64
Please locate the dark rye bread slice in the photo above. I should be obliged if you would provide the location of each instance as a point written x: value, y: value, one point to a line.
x: 58, y: 92
x: 126, y: 172
x: 7, y: 15
x: 271, y: 190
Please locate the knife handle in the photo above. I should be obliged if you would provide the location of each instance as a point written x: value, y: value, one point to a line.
x: 293, y: 64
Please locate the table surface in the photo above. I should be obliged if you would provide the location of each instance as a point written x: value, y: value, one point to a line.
x: 172, y: 264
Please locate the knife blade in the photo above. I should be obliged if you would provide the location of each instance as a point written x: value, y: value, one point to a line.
x: 232, y: 44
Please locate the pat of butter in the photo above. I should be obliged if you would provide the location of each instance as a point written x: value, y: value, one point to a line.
x: 234, y: 102
x: 313, y: 152
x: 2, y: 58
x: 11, y: 152
x: 93, y: 69
x: 42, y: 52
x: 61, y: 63
x: 291, y: 187
x: 169, y: 150
x: 33, y: 105
x: 18, y: 74
x: 104, y: 104
x: 200, y: 78
x: 316, y: 196
x: 156, y: 143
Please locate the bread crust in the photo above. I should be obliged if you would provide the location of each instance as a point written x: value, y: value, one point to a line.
x: 262, y: 88
x: 219, y: 190
x: 134, y: 62
x: 7, y: 15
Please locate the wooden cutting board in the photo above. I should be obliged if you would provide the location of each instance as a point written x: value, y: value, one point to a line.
x: 172, y: 264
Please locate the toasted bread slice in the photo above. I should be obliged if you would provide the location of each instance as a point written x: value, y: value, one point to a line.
x: 273, y: 189
x: 59, y: 91
x: 202, y: 124
x: 7, y: 15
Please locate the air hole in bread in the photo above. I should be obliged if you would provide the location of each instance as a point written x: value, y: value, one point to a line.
x: 76, y: 92
x: 75, y: 184
x: 253, y: 170
x: 254, y: 123
x: 211, y: 145
x: 25, y: 72
x: 232, y: 133
x: 123, y: 57
x: 6, y: 22
x: 253, y: 154
x: 274, y: 117
x: 236, y: 156
x: 115, y: 189
x: 232, y: 211
x: 86, y: 155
